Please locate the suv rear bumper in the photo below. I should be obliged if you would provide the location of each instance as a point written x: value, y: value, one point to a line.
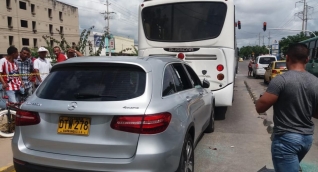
x: 150, y: 151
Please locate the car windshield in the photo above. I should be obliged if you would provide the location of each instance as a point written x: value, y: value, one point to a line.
x: 279, y: 65
x: 184, y: 21
x: 93, y: 82
x: 266, y: 60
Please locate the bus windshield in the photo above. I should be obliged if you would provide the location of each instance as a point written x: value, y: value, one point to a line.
x: 184, y: 22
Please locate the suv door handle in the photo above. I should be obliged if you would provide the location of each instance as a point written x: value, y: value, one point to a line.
x: 188, y: 98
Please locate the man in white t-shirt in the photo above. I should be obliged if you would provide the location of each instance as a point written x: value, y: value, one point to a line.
x: 42, y: 66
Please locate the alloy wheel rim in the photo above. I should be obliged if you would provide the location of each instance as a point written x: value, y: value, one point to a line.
x: 188, y: 162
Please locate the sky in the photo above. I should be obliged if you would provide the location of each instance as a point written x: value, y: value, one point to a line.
x: 251, y: 13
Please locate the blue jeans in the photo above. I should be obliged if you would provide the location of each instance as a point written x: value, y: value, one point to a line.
x: 288, y: 150
x: 13, y: 96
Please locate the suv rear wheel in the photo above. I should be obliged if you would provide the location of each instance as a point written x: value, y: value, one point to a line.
x: 186, y: 163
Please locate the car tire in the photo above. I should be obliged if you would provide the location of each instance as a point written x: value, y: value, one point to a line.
x: 186, y: 163
x: 210, y: 128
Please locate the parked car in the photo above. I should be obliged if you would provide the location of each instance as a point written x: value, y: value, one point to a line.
x: 261, y: 62
x: 273, y: 69
x: 114, y: 114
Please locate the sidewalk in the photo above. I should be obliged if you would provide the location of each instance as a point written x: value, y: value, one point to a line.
x: 6, y: 155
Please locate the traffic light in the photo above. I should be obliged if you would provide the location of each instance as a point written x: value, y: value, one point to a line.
x: 264, y: 26
x: 239, y: 24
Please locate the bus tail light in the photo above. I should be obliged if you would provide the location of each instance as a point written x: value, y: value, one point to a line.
x: 274, y: 71
x: 220, y: 76
x: 181, y: 56
x: 220, y: 68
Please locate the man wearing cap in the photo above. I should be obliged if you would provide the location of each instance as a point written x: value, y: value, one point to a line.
x: 42, y: 66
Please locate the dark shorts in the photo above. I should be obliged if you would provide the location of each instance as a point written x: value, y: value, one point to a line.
x: 250, y: 68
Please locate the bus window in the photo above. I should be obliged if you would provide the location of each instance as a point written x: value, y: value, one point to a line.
x: 184, y: 21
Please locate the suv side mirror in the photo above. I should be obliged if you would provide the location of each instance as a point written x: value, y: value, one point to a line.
x: 205, y: 84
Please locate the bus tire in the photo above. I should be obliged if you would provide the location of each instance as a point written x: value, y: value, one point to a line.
x: 220, y: 113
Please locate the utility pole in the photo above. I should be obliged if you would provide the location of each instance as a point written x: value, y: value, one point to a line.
x: 269, y: 39
x: 263, y: 40
x: 107, y: 18
x: 303, y: 15
x: 259, y: 39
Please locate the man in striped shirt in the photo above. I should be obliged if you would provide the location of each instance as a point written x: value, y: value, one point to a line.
x: 11, y: 84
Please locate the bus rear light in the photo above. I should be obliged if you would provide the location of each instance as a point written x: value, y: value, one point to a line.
x: 142, y: 5
x: 181, y: 56
x: 220, y: 68
x: 274, y: 71
x: 220, y: 76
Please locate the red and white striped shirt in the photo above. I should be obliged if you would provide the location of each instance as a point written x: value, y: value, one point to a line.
x: 8, y: 68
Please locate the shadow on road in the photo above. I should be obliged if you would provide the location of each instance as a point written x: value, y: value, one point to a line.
x: 220, y: 113
x: 265, y: 169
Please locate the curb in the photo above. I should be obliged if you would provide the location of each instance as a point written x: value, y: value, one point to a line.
x: 8, y: 168
x: 267, y: 122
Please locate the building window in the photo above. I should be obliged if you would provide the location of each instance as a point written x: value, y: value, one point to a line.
x: 10, y: 40
x: 24, y: 23
x: 51, y: 43
x: 25, y: 42
x: 35, y: 43
x: 23, y: 5
x: 8, y: 4
x: 34, y: 26
x: 50, y: 13
x: 61, y: 30
x: 32, y: 8
x: 10, y: 22
x: 61, y: 16
x: 51, y: 28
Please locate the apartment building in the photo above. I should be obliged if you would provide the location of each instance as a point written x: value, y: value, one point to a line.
x: 24, y: 22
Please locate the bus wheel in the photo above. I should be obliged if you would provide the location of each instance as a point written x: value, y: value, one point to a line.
x: 220, y: 113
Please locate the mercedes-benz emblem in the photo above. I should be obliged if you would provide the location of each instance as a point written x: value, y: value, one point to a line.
x: 72, y: 106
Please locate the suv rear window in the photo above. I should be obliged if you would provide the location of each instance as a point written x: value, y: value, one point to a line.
x: 266, y: 60
x: 279, y: 65
x: 93, y: 82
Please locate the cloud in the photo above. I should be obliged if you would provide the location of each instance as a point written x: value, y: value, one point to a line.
x: 251, y: 13
x: 123, y: 22
x: 277, y: 14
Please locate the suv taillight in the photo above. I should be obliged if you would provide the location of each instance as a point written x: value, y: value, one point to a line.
x: 256, y: 66
x: 24, y: 118
x: 142, y: 124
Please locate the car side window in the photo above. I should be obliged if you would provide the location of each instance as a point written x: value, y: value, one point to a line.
x: 196, y: 80
x: 168, y: 86
x: 181, y: 78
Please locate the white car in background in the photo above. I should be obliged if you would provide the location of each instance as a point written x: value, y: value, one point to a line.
x: 261, y: 62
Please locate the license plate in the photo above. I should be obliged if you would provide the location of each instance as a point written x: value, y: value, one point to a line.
x: 74, y: 125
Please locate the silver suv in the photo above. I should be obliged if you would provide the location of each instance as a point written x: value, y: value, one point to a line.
x: 114, y: 114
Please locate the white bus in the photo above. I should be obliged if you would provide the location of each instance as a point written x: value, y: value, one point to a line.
x: 201, y: 32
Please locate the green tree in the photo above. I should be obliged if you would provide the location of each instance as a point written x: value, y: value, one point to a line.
x: 285, y: 41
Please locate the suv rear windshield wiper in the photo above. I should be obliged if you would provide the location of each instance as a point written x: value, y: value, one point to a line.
x: 88, y: 96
